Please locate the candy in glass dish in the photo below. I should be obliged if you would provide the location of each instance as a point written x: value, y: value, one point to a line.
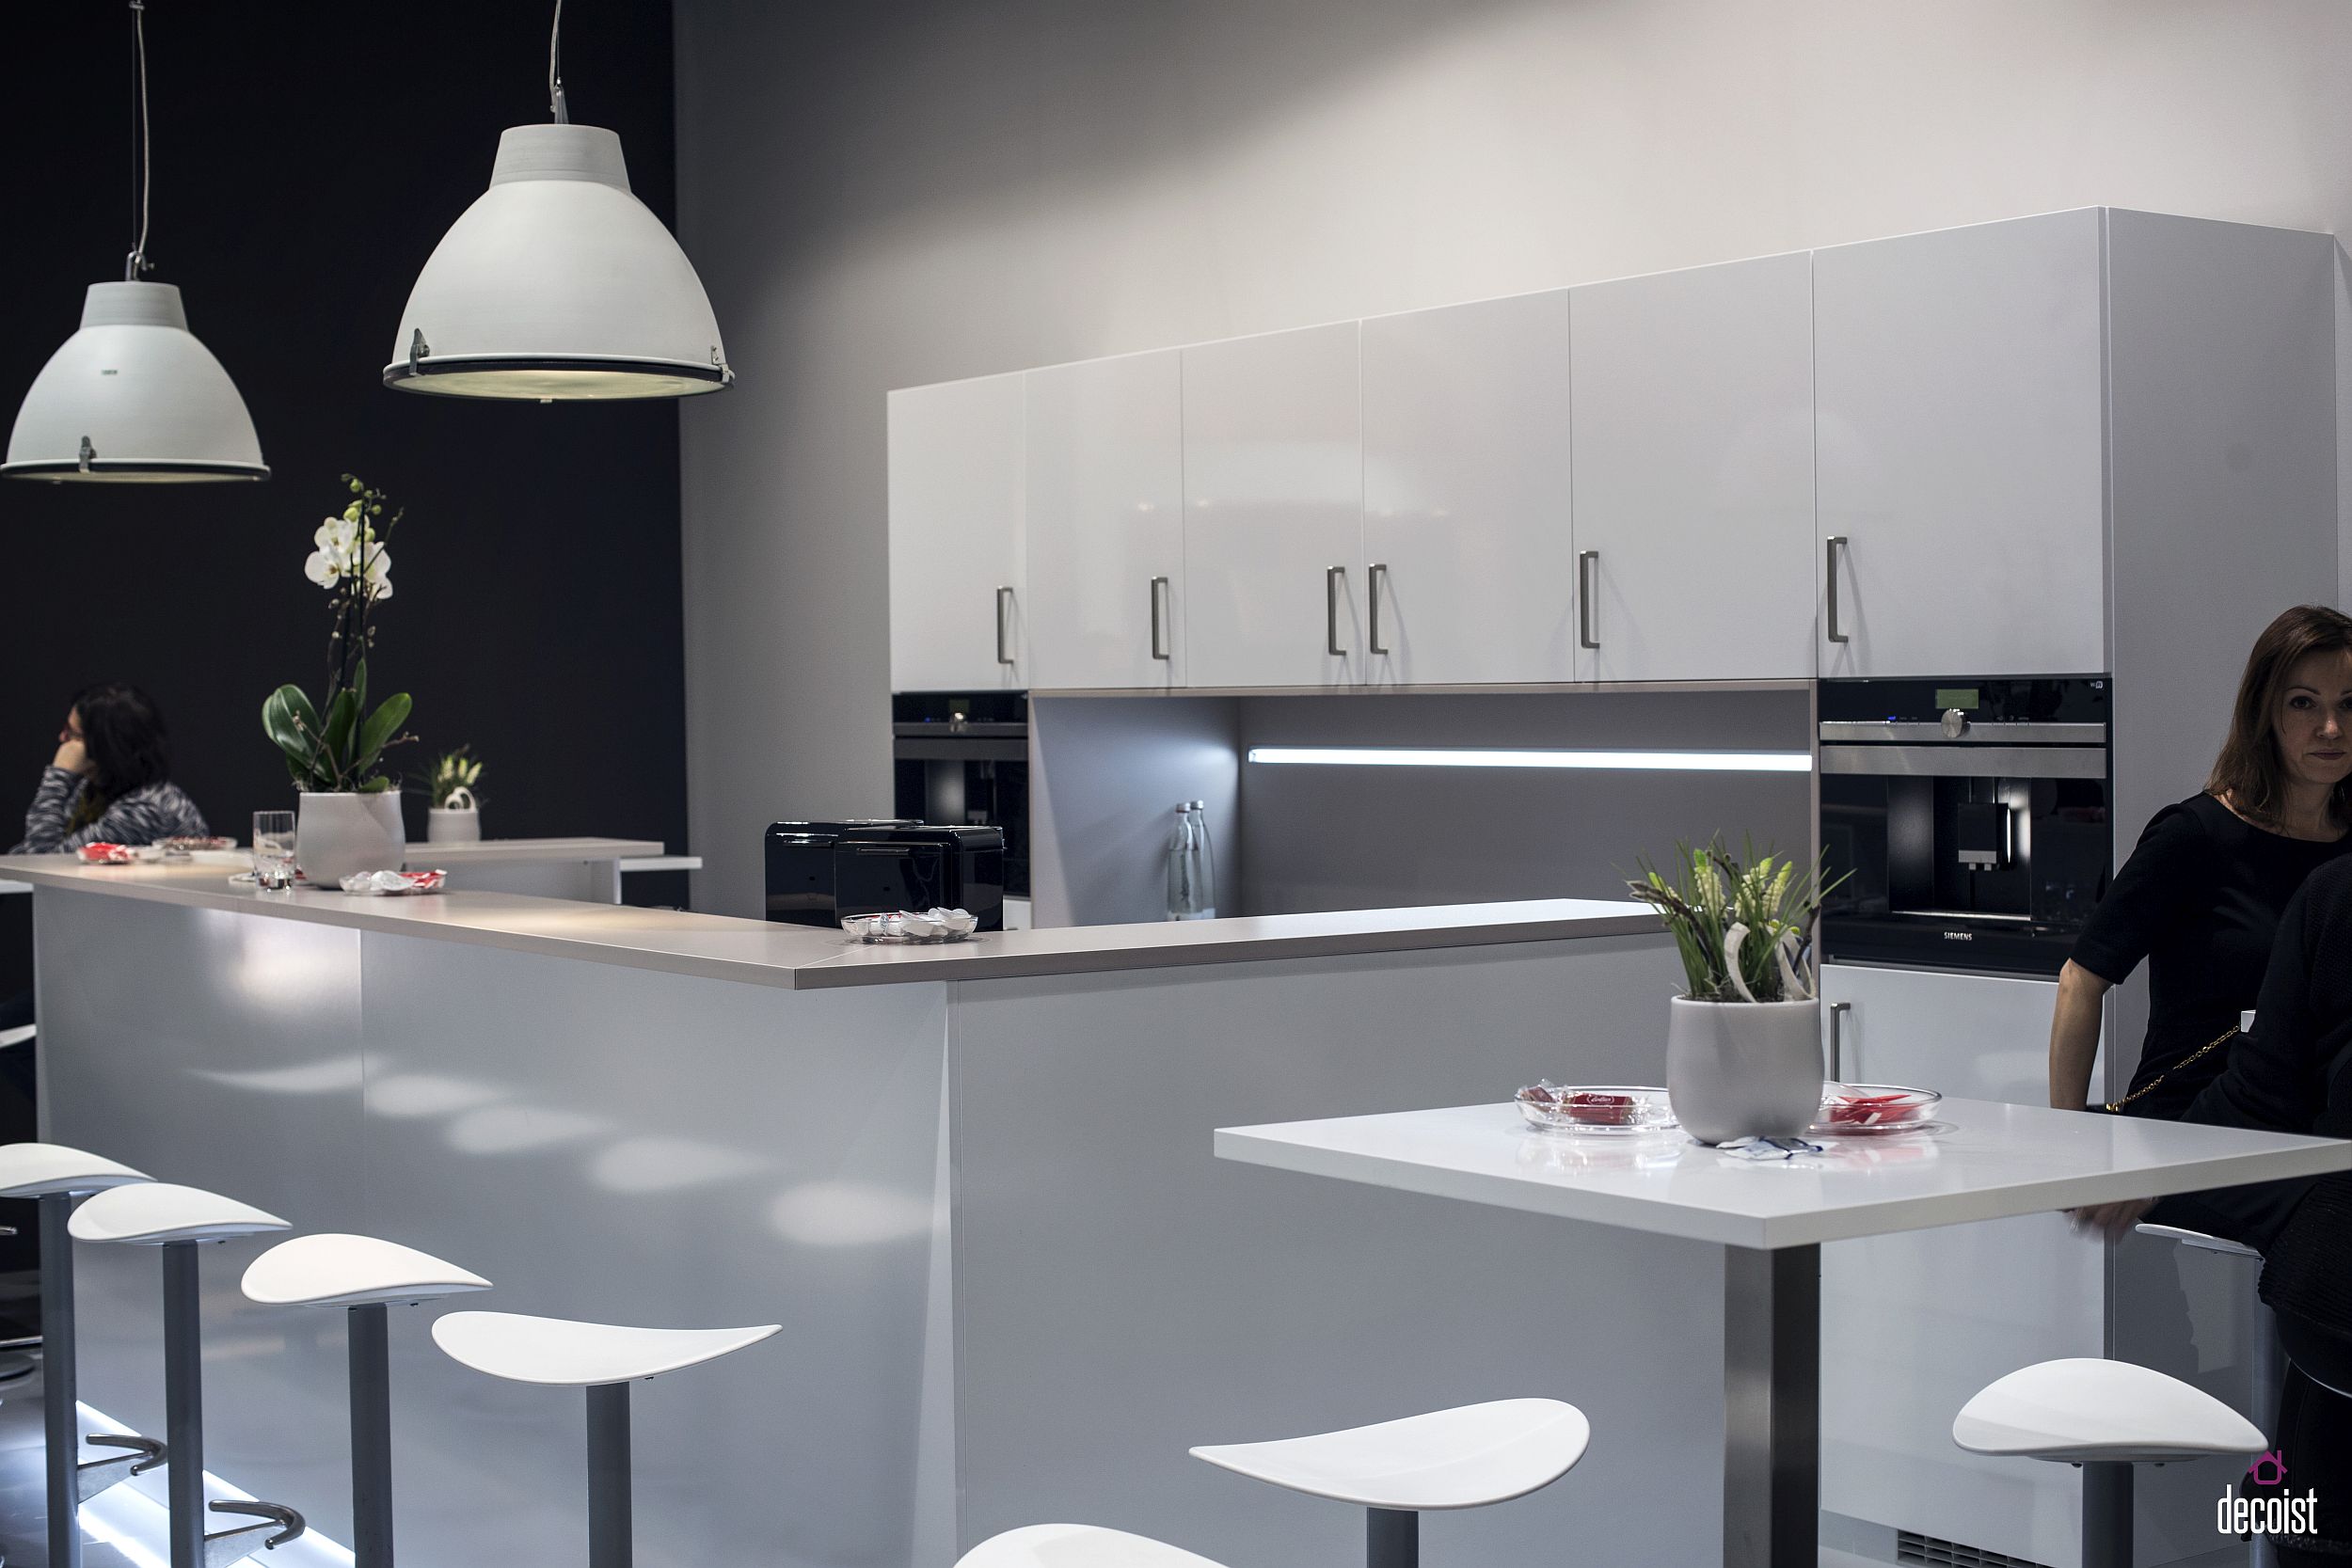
x: 1867, y: 1109
x: 1618, y: 1110
x: 913, y: 926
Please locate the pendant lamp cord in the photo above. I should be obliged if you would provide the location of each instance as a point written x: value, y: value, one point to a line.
x: 555, y: 70
x: 143, y: 168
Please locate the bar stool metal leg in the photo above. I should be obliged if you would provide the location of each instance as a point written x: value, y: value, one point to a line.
x: 611, y: 1525
x: 371, y: 1437
x: 1392, y: 1537
x: 2106, y: 1514
x: 183, y: 1405
x: 60, y: 1426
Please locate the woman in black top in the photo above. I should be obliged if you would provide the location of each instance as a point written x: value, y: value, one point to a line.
x: 2201, y: 897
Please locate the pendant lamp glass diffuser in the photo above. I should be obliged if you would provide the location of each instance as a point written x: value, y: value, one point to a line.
x: 133, y: 397
x: 558, y: 283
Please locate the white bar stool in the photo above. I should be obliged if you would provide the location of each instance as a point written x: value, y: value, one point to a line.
x: 1076, y: 1546
x: 1397, y: 1471
x: 364, y: 1276
x: 54, y: 1176
x: 2269, y: 1360
x: 181, y: 1220
x: 2105, y: 1416
x: 604, y: 1359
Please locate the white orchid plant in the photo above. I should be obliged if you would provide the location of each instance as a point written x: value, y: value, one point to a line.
x: 339, y: 744
x: 1744, y: 932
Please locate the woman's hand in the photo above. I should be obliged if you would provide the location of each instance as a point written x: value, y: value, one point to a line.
x: 2114, y: 1219
x: 72, y: 756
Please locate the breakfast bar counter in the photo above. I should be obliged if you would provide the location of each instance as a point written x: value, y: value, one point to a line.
x: 974, y: 1183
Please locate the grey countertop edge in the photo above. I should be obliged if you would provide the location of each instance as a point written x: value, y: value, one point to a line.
x: 820, y: 960
x: 1756, y: 1232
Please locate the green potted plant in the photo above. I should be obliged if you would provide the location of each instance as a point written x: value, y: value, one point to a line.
x: 455, y: 816
x: 349, y: 819
x: 1743, y: 1041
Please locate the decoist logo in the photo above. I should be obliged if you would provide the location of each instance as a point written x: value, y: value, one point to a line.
x: 2236, y: 1516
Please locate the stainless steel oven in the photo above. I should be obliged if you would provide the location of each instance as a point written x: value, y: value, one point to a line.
x: 1969, y: 819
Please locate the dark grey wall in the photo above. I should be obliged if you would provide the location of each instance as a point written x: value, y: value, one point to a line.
x: 306, y: 161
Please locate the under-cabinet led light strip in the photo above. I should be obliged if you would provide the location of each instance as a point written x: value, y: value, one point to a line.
x: 1669, y: 762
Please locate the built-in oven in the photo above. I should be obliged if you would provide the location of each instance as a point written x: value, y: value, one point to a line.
x: 1966, y: 821
x: 963, y: 760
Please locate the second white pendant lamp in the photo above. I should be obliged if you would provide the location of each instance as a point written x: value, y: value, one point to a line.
x: 133, y: 397
x: 558, y: 283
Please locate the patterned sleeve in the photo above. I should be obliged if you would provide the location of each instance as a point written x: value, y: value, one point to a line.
x: 46, y: 818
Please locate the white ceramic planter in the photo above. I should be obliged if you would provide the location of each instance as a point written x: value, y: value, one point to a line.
x: 452, y: 825
x: 338, y: 834
x: 1743, y: 1069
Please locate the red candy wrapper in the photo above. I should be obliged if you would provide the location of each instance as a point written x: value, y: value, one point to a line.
x: 1600, y: 1110
x: 105, y: 854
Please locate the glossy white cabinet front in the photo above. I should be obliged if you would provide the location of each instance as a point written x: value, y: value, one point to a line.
x: 1694, y: 473
x: 955, y: 568
x: 1959, y: 382
x: 1465, y: 495
x: 1273, y: 505
x: 1914, y: 1324
x: 1106, y: 537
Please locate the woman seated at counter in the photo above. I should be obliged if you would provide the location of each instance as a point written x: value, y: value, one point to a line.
x: 2201, y: 897
x: 110, y: 781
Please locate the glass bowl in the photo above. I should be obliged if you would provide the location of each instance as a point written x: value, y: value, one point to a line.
x: 1605, y: 1110
x: 1850, y: 1109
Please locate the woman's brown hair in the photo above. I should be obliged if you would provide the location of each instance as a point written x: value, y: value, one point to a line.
x: 2249, y: 773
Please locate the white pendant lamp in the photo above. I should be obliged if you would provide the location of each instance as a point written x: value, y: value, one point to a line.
x: 133, y: 397
x: 558, y: 283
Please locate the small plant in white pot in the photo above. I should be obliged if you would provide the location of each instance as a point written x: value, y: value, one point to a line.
x: 349, y: 819
x: 1744, y: 1043
x: 455, y: 816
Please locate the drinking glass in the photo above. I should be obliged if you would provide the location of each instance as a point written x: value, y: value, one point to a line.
x: 273, y: 850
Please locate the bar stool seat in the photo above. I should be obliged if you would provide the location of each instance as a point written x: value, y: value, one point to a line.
x: 2085, y: 1410
x: 333, y: 1269
x: 563, y: 1352
x: 1077, y: 1547
x: 157, y: 1213
x: 41, y: 1170
x: 1447, y: 1459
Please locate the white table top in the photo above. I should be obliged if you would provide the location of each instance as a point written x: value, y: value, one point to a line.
x: 1995, y: 1161
x: 490, y: 851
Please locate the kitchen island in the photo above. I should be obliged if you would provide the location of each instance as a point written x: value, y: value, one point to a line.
x: 975, y: 1183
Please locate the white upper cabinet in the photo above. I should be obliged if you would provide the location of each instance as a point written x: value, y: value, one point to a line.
x: 1468, y: 572
x: 956, y: 569
x: 1105, y: 522
x: 1693, y: 424
x: 1959, y: 400
x: 1273, y: 511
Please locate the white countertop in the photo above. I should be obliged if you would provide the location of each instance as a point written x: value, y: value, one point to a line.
x: 1996, y: 1161
x: 803, y: 958
x: 503, y: 850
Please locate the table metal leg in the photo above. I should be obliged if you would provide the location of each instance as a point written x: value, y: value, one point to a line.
x: 1771, y: 1407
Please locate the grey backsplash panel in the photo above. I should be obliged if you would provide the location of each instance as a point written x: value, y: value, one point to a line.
x: 1308, y: 839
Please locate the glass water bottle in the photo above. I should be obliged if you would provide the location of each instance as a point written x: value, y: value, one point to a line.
x: 1191, y: 866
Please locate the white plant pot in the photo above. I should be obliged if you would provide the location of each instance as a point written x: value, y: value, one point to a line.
x: 452, y: 825
x: 335, y: 835
x: 1744, y: 1070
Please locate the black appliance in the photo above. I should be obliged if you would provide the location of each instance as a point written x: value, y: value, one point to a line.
x: 962, y: 760
x: 1970, y: 819
x: 820, y: 872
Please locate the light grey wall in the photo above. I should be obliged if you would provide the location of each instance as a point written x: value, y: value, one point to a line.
x: 884, y: 196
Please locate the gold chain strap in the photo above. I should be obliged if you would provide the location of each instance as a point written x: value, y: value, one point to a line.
x: 2201, y: 1051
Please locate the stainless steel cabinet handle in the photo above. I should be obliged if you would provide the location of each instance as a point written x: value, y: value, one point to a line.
x: 1159, y: 619
x: 1836, y: 543
x: 1372, y: 580
x: 1586, y: 561
x: 1331, y: 579
x: 1004, y: 598
x: 1838, y: 1011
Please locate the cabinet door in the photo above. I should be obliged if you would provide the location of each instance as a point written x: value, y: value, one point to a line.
x: 1273, y: 511
x: 1465, y: 495
x: 1958, y: 394
x: 1106, y: 536
x: 1914, y: 1324
x: 955, y: 537
x: 1694, y: 472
